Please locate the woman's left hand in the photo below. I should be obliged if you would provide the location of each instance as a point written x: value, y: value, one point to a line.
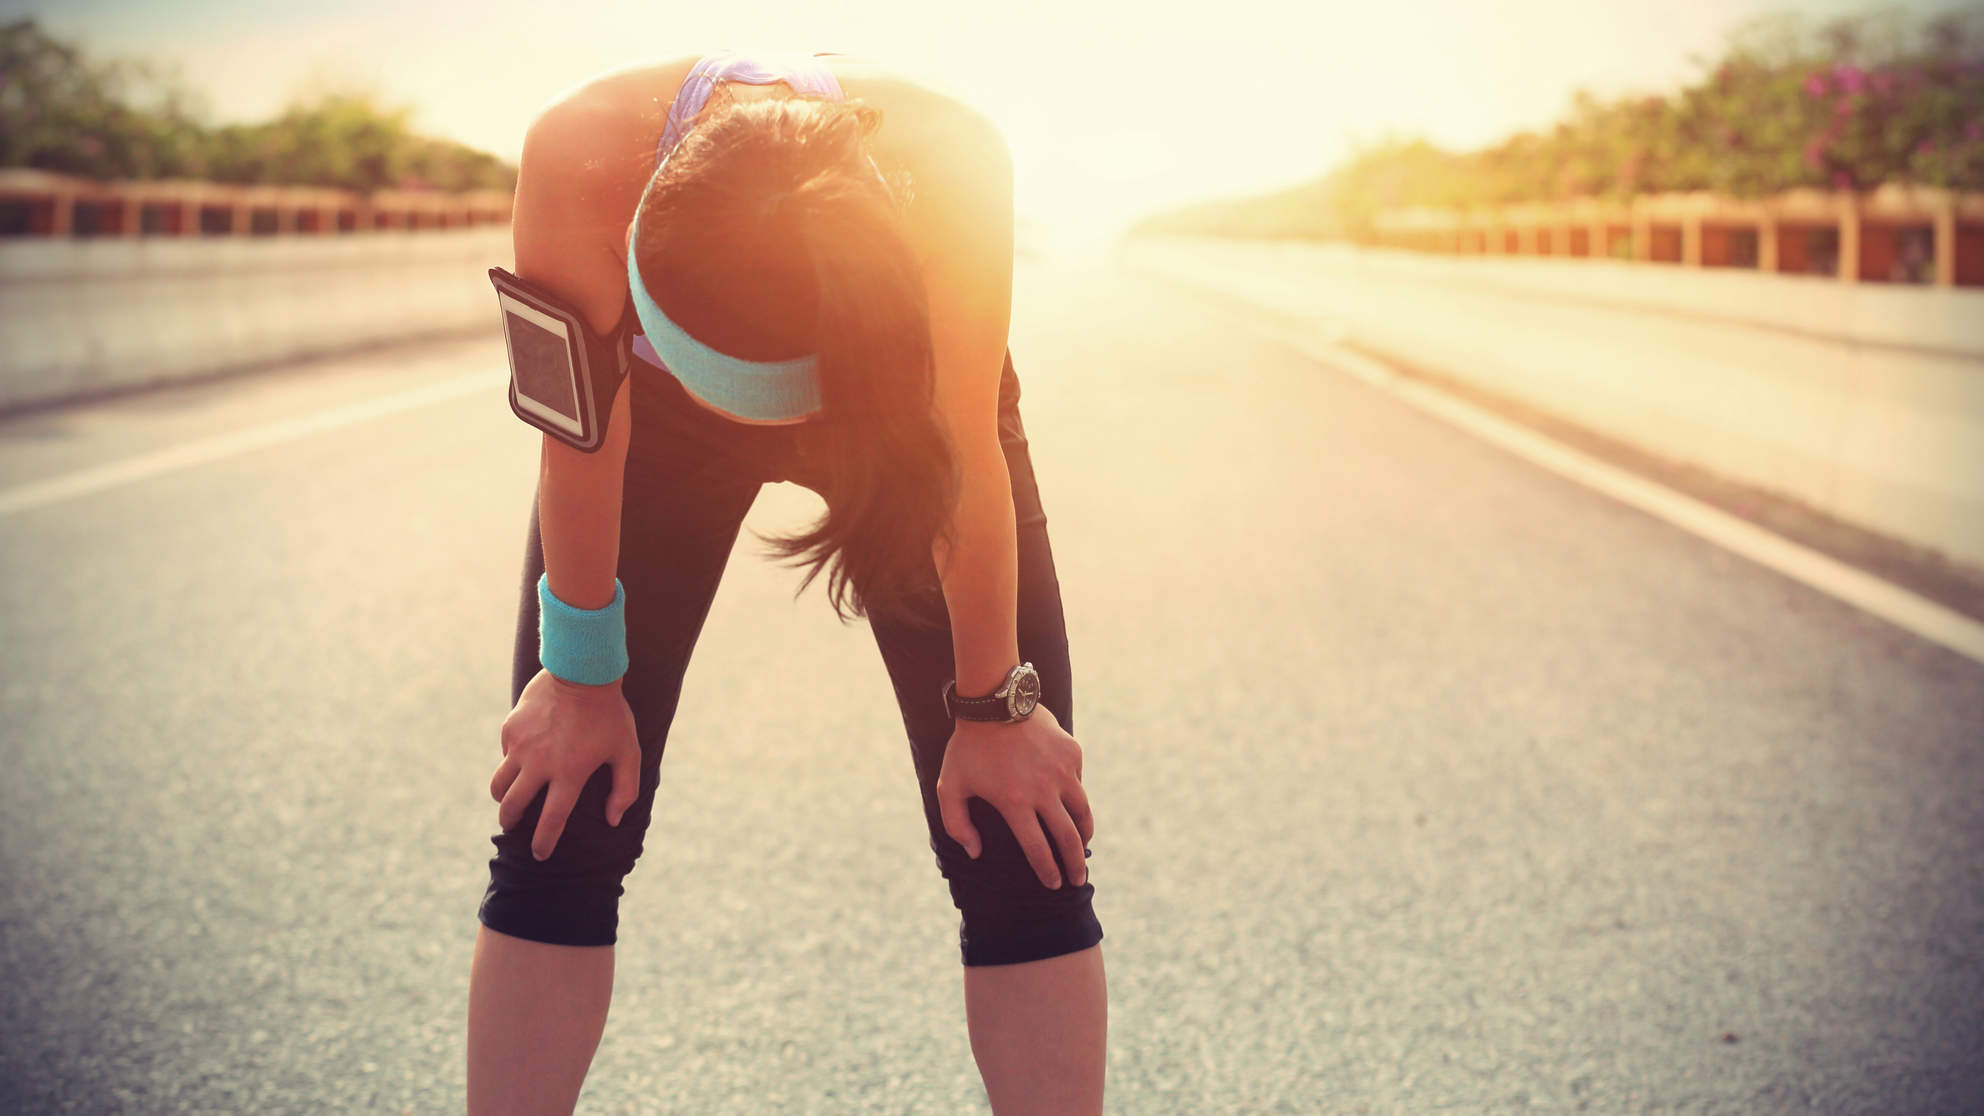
x: 1031, y: 772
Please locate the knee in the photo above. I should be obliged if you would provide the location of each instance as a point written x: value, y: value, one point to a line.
x: 1006, y: 914
x: 571, y: 897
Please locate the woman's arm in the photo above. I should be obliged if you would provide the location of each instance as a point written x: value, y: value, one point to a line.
x: 578, y: 493
x: 981, y: 581
x: 1030, y: 770
x: 560, y: 732
x: 963, y: 217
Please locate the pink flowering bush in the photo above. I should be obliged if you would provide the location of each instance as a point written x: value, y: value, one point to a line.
x: 1786, y: 108
x: 1859, y: 102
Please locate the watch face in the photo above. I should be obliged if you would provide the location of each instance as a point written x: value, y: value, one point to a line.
x: 1026, y: 692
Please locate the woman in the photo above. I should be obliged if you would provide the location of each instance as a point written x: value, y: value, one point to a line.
x: 847, y: 233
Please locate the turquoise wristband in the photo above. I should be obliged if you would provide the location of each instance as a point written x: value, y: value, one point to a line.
x: 586, y: 645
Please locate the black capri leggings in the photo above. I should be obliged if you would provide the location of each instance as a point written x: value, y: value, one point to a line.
x: 691, y: 477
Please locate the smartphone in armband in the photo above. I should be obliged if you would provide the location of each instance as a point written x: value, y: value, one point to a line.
x: 563, y: 376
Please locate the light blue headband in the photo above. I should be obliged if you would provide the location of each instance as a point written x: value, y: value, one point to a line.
x: 751, y: 389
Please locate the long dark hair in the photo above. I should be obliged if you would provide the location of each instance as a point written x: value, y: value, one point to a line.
x: 770, y: 234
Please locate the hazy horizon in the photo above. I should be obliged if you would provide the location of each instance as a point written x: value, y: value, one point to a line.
x: 1154, y: 122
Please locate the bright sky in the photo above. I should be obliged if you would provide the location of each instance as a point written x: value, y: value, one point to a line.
x: 1112, y: 107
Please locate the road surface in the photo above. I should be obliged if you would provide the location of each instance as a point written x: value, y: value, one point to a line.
x: 1424, y: 780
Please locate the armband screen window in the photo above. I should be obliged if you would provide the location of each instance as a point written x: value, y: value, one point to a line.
x: 544, y: 368
x: 543, y: 363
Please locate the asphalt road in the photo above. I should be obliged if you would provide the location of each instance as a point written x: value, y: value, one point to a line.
x: 1424, y: 780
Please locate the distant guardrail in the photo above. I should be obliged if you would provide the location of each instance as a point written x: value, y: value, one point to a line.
x: 1894, y: 234
x: 37, y: 203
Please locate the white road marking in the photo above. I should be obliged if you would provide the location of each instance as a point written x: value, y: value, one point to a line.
x: 42, y: 493
x: 1856, y: 587
x: 1884, y: 599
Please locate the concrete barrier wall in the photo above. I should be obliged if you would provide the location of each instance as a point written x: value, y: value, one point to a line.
x: 1865, y: 401
x: 84, y: 317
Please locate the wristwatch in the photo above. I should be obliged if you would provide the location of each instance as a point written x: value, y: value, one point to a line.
x: 1012, y: 701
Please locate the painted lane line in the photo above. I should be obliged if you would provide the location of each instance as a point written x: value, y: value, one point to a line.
x: 1890, y: 602
x: 38, y: 494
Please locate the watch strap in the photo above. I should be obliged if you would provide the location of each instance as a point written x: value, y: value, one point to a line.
x: 989, y: 708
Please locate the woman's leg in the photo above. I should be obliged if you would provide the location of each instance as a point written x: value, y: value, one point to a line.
x: 1039, y: 1031
x: 535, y: 1015
x: 542, y: 974
x: 1035, y: 998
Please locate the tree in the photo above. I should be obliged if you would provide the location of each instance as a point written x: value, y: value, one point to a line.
x: 1854, y: 103
x: 61, y: 112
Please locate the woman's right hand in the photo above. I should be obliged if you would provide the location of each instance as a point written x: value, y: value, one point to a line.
x: 559, y: 733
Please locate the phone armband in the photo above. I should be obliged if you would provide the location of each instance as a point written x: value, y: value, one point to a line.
x: 563, y: 376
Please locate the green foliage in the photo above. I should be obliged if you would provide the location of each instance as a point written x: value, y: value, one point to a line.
x: 61, y: 113
x: 121, y: 120
x: 1858, y: 102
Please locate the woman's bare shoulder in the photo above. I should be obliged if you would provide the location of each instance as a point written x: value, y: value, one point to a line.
x: 918, y: 105
x: 625, y: 88
x: 930, y: 130
x: 617, y: 111
x: 590, y: 150
x: 952, y: 151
